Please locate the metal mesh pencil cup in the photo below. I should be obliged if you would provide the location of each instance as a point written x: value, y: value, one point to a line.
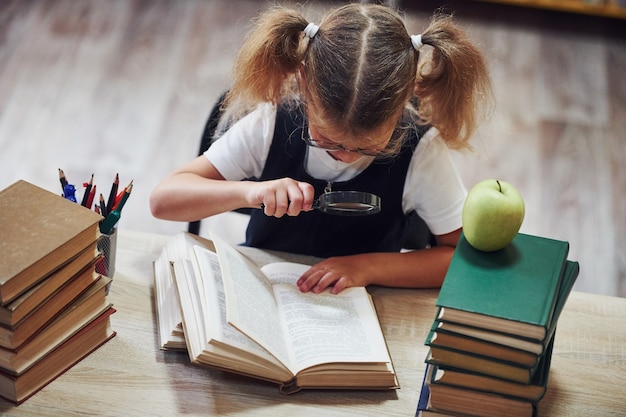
x: 107, y: 246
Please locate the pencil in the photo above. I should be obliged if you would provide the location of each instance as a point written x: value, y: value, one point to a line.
x: 120, y: 195
x: 92, y: 195
x: 103, y: 207
x: 127, y: 192
x: 109, y: 222
x: 113, y: 194
x: 62, y: 179
x: 87, y: 191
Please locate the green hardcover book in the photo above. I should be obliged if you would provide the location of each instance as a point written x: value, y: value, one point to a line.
x: 513, y: 290
x: 500, y: 345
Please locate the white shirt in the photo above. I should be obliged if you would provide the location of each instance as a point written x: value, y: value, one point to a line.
x: 433, y: 186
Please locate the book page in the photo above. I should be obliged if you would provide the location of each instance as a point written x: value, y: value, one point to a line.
x: 218, y: 328
x: 168, y: 312
x: 250, y: 304
x: 324, y: 328
x: 167, y: 304
x: 191, y: 308
x: 284, y: 272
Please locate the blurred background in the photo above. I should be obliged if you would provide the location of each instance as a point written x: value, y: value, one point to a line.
x: 125, y: 86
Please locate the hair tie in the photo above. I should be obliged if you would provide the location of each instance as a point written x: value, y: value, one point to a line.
x: 311, y: 30
x: 416, y: 40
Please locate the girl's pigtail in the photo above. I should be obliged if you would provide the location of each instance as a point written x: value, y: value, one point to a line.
x: 267, y: 61
x: 455, y: 87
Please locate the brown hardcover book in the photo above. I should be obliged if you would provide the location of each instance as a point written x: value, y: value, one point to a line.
x: 40, y: 232
x: 17, y: 389
x: 77, y: 315
x: 13, y: 337
x: 14, y: 312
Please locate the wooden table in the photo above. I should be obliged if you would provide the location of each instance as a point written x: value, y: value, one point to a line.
x: 131, y: 376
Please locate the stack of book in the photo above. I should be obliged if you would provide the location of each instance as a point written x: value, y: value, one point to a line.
x: 53, y: 305
x: 490, y: 345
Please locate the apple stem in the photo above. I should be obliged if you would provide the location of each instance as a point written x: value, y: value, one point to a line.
x: 499, y: 186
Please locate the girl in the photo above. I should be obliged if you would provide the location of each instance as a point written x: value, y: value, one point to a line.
x: 341, y: 106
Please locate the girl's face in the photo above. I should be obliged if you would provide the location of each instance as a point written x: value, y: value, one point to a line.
x: 339, y: 141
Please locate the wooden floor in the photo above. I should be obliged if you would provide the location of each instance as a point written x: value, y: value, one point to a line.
x: 125, y: 86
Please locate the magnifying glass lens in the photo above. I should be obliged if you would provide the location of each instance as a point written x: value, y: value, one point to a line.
x: 348, y: 203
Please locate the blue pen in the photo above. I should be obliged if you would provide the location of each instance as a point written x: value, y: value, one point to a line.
x: 69, y: 192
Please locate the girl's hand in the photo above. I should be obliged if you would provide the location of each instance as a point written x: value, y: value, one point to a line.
x: 339, y: 272
x: 283, y: 196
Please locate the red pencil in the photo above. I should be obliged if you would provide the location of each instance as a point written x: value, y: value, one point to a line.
x: 88, y: 186
x: 92, y: 194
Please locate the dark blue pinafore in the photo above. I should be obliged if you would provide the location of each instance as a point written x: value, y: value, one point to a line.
x: 318, y: 234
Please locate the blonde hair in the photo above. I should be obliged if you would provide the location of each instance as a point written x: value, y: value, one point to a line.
x: 360, y: 70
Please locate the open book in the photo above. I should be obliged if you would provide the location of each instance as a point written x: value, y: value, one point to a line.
x: 254, y: 321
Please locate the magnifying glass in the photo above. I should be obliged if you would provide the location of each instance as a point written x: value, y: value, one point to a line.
x: 347, y: 203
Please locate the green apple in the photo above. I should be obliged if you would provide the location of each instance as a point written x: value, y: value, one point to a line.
x: 492, y: 215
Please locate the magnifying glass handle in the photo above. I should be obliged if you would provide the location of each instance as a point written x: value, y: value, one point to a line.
x: 315, y: 206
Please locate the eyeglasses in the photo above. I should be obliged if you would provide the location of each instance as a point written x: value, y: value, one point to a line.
x: 332, y: 146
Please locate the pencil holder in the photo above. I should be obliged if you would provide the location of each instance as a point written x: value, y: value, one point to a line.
x: 107, y: 245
